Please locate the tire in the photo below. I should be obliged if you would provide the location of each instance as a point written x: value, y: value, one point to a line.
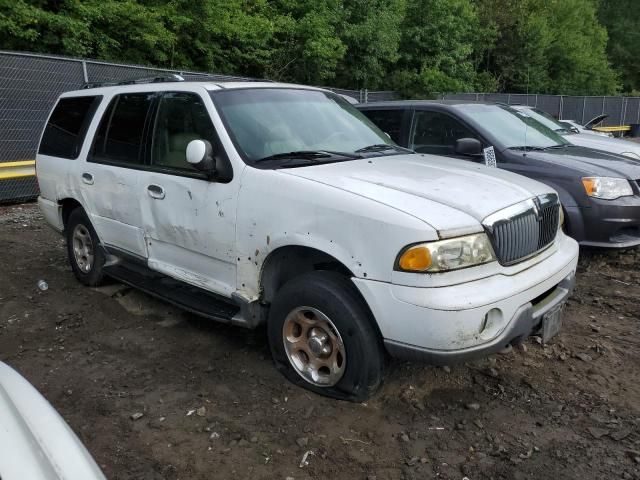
x: 87, y: 268
x: 297, y: 327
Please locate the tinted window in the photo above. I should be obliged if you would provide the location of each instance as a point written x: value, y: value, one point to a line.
x: 182, y: 117
x: 436, y: 133
x: 120, y: 135
x: 64, y: 134
x: 389, y: 121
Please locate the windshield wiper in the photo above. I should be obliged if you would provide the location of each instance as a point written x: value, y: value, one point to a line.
x: 525, y: 148
x: 307, y: 155
x: 381, y: 147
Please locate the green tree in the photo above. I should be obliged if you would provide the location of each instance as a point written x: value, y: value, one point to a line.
x: 437, y: 47
x: 371, y: 32
x: 622, y: 21
x: 546, y: 46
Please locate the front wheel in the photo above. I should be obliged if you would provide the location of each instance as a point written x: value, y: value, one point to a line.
x: 322, y: 337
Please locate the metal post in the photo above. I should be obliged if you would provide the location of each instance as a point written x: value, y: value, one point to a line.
x: 509, y: 99
x: 366, y: 95
x: 623, y: 111
x: 561, y: 106
x: 84, y: 72
x: 536, y: 104
x: 584, y: 105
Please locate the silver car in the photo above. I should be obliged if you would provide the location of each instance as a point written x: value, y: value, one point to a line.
x: 597, y: 142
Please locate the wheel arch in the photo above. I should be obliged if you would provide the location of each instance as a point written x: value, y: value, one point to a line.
x: 289, y: 261
x: 67, y: 206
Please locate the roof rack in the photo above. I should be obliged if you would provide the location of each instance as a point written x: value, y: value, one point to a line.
x: 136, y: 81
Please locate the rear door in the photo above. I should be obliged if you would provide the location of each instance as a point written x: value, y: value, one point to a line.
x: 188, y: 218
x: 110, y: 178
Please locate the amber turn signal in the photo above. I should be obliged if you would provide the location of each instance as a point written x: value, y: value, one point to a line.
x: 415, y: 259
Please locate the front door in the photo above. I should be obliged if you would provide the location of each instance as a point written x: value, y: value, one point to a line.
x: 437, y: 133
x: 189, y: 220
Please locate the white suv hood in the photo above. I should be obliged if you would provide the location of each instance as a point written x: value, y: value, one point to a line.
x: 35, y: 442
x: 414, y: 184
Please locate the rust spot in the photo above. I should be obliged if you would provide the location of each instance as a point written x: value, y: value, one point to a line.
x: 257, y: 253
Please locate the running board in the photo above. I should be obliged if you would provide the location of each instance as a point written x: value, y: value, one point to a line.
x: 187, y: 297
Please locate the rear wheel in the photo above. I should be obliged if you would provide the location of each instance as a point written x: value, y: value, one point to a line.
x: 83, y: 248
x: 322, y: 337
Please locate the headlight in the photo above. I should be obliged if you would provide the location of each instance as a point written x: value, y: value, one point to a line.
x: 633, y: 155
x: 445, y: 255
x: 607, y: 188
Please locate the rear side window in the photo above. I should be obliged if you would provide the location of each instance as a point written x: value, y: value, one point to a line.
x: 389, y: 121
x: 120, y: 136
x: 64, y: 134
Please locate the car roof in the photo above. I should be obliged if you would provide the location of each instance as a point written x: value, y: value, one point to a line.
x: 164, y: 86
x: 421, y: 103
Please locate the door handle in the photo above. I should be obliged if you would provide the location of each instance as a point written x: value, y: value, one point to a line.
x: 87, y: 178
x: 155, y: 191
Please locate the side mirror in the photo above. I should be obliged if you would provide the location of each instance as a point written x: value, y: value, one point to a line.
x: 470, y: 147
x: 200, y: 155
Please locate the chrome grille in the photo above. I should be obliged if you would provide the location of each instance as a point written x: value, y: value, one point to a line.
x: 522, y: 230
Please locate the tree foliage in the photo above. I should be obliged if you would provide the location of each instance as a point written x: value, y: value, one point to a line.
x: 622, y: 21
x: 418, y: 47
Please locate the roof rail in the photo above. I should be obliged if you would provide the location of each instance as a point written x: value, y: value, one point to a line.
x: 173, y: 77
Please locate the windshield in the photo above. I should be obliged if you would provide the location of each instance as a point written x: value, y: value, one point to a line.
x: 510, y: 128
x: 266, y: 123
x: 545, y: 119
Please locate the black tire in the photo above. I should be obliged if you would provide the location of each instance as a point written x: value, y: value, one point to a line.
x: 336, y: 297
x: 94, y: 275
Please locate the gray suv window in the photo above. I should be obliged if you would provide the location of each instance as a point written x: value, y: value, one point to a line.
x: 436, y: 133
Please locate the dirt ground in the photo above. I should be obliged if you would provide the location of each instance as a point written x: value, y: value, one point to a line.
x: 214, y: 407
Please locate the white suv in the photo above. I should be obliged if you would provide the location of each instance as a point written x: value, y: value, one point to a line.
x: 264, y: 203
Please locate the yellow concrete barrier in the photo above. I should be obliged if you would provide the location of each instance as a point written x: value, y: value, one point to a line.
x: 19, y: 169
x: 619, y: 128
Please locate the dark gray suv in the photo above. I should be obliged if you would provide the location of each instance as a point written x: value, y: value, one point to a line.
x: 600, y: 191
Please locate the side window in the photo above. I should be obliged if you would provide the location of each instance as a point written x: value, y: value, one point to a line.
x: 120, y: 136
x: 435, y: 132
x: 389, y: 121
x: 182, y: 117
x: 64, y: 134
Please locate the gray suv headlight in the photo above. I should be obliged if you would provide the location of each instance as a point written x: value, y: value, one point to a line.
x: 607, y: 188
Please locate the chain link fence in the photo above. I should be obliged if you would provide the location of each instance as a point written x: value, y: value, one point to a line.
x: 30, y: 85
x: 620, y: 110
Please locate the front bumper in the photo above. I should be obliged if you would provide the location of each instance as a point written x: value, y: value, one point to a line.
x: 606, y: 223
x: 457, y: 322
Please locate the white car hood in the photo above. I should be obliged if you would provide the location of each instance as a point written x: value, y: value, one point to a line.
x: 35, y: 442
x: 608, y: 144
x: 420, y: 185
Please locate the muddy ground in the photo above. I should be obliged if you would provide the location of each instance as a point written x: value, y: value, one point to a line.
x: 214, y: 407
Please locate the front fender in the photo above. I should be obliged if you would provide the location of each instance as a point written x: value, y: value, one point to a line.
x: 276, y: 210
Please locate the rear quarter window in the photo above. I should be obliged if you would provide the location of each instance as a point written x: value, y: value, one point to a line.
x: 66, y: 129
